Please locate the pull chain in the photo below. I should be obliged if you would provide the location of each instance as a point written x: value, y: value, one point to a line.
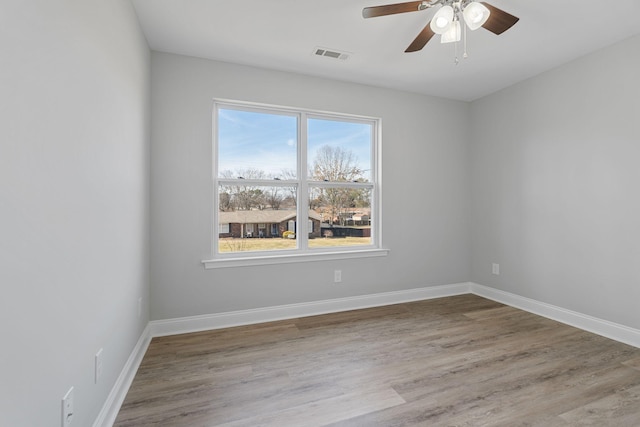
x: 455, y: 47
x: 464, y: 55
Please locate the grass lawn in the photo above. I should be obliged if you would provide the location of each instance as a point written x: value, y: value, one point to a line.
x: 236, y: 245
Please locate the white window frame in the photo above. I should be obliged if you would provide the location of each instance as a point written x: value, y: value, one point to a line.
x: 303, y: 252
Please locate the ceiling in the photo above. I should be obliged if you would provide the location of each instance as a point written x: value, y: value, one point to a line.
x: 283, y: 35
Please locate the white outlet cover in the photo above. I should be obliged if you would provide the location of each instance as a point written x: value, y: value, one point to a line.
x: 98, y: 366
x: 337, y: 276
x: 67, y: 408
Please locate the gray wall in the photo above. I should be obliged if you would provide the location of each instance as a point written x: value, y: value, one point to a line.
x: 425, y: 190
x: 555, y: 179
x: 540, y: 177
x: 74, y: 185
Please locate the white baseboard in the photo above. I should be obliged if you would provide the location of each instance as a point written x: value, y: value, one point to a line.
x: 157, y: 328
x: 111, y: 407
x: 614, y: 331
x: 588, y: 323
x: 268, y: 314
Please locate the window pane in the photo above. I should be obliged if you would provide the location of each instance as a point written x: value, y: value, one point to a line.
x: 345, y: 215
x: 255, y: 145
x: 257, y: 218
x: 339, y: 150
x: 260, y: 152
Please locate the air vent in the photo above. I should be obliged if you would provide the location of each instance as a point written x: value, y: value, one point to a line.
x: 331, y: 53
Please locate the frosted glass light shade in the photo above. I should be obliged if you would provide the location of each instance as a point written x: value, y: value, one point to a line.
x: 441, y: 21
x: 452, y: 34
x: 475, y: 14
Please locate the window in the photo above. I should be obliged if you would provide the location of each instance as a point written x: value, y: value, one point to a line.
x: 274, y: 165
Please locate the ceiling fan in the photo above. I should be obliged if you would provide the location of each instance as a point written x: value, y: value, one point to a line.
x: 446, y: 21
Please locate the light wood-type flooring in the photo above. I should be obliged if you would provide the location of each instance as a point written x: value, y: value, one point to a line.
x: 456, y: 361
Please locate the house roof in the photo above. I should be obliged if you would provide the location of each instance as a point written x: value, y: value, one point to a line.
x: 261, y: 216
x: 359, y: 217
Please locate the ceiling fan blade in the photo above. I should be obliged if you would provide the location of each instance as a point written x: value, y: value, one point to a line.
x: 422, y: 39
x: 499, y: 21
x: 390, y: 9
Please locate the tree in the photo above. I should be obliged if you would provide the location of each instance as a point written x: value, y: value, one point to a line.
x: 225, y: 201
x: 248, y: 198
x: 242, y: 196
x: 274, y: 197
x: 334, y: 164
x: 289, y: 174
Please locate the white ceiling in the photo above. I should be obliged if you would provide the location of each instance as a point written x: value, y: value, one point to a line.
x: 282, y: 35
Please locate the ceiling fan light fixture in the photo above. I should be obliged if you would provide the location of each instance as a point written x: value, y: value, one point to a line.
x: 452, y: 35
x: 442, y: 20
x: 475, y: 15
x: 448, y: 20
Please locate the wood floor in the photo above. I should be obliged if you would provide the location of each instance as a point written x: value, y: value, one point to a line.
x: 457, y: 361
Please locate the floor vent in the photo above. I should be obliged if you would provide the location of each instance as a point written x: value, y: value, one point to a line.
x: 330, y: 53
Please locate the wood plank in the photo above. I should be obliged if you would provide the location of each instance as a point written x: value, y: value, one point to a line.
x: 325, y: 411
x: 461, y: 360
x: 616, y: 409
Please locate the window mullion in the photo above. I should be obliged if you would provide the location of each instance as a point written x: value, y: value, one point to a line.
x: 376, y: 202
x: 340, y: 184
x: 303, y: 188
x: 257, y: 182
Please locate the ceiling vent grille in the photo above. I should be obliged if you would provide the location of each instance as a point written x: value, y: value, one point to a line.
x: 330, y: 53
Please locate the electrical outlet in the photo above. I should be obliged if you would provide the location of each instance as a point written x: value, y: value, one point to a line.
x: 139, y: 307
x: 98, y: 366
x: 337, y: 276
x: 495, y: 269
x: 67, y: 408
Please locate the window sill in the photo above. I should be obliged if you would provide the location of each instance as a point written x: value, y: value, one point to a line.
x: 292, y: 258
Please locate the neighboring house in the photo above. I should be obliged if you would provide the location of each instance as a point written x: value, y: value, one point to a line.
x: 353, y: 216
x: 264, y: 223
x: 359, y: 218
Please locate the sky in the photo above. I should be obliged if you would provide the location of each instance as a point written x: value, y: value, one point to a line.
x: 268, y: 142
